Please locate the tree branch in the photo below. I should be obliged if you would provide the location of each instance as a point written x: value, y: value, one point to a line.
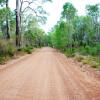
x: 40, y: 10
x: 28, y: 7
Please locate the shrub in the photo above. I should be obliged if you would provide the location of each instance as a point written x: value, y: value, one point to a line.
x: 70, y: 52
x: 7, y: 48
x: 86, y: 60
x: 91, y: 61
x: 98, y: 48
x: 27, y: 49
x: 10, y: 49
x: 85, y: 51
x: 93, y: 51
x: 90, y: 50
x: 2, y: 60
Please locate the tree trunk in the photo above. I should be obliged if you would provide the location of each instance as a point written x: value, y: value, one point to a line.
x: 7, y: 22
x: 18, y: 35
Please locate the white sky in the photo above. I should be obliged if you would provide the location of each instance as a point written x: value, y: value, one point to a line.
x: 55, y: 8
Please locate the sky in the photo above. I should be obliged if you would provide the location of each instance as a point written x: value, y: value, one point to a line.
x: 54, y: 9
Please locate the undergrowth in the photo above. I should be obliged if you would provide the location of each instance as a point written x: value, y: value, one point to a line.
x: 87, y: 55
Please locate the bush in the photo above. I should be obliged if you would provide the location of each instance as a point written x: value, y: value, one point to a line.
x: 10, y: 50
x: 27, y: 49
x: 7, y: 48
x: 70, y: 52
x: 98, y: 48
x: 84, y: 51
x: 88, y: 50
x: 2, y: 60
x: 90, y: 60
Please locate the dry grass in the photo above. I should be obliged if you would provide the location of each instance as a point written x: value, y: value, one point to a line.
x: 92, y: 61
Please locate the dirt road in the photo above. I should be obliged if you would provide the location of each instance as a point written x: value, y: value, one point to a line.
x: 46, y: 75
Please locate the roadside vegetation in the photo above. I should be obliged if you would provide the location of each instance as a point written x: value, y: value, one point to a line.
x: 20, y: 30
x: 78, y: 36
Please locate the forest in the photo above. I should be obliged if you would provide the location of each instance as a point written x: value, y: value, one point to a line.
x: 76, y: 36
x: 20, y: 29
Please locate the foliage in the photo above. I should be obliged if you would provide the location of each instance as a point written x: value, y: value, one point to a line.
x: 7, y: 48
x: 2, y: 2
x: 93, y: 10
x: 27, y: 49
x: 60, y: 34
x: 78, y: 33
x: 70, y: 52
x: 69, y: 11
x: 92, y: 61
x: 90, y: 50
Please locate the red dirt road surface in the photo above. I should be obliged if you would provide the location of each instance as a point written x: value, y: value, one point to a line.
x: 46, y: 75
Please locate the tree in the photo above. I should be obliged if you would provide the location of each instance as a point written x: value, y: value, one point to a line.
x: 7, y: 20
x: 94, y: 12
x: 59, y: 36
x: 19, y: 14
x: 2, y: 2
x: 18, y: 35
x: 69, y: 11
x: 7, y: 10
x: 83, y: 33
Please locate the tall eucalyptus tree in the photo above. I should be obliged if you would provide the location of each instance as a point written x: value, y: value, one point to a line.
x: 39, y: 12
x: 94, y: 12
x: 7, y: 20
x: 18, y: 36
x: 68, y: 13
